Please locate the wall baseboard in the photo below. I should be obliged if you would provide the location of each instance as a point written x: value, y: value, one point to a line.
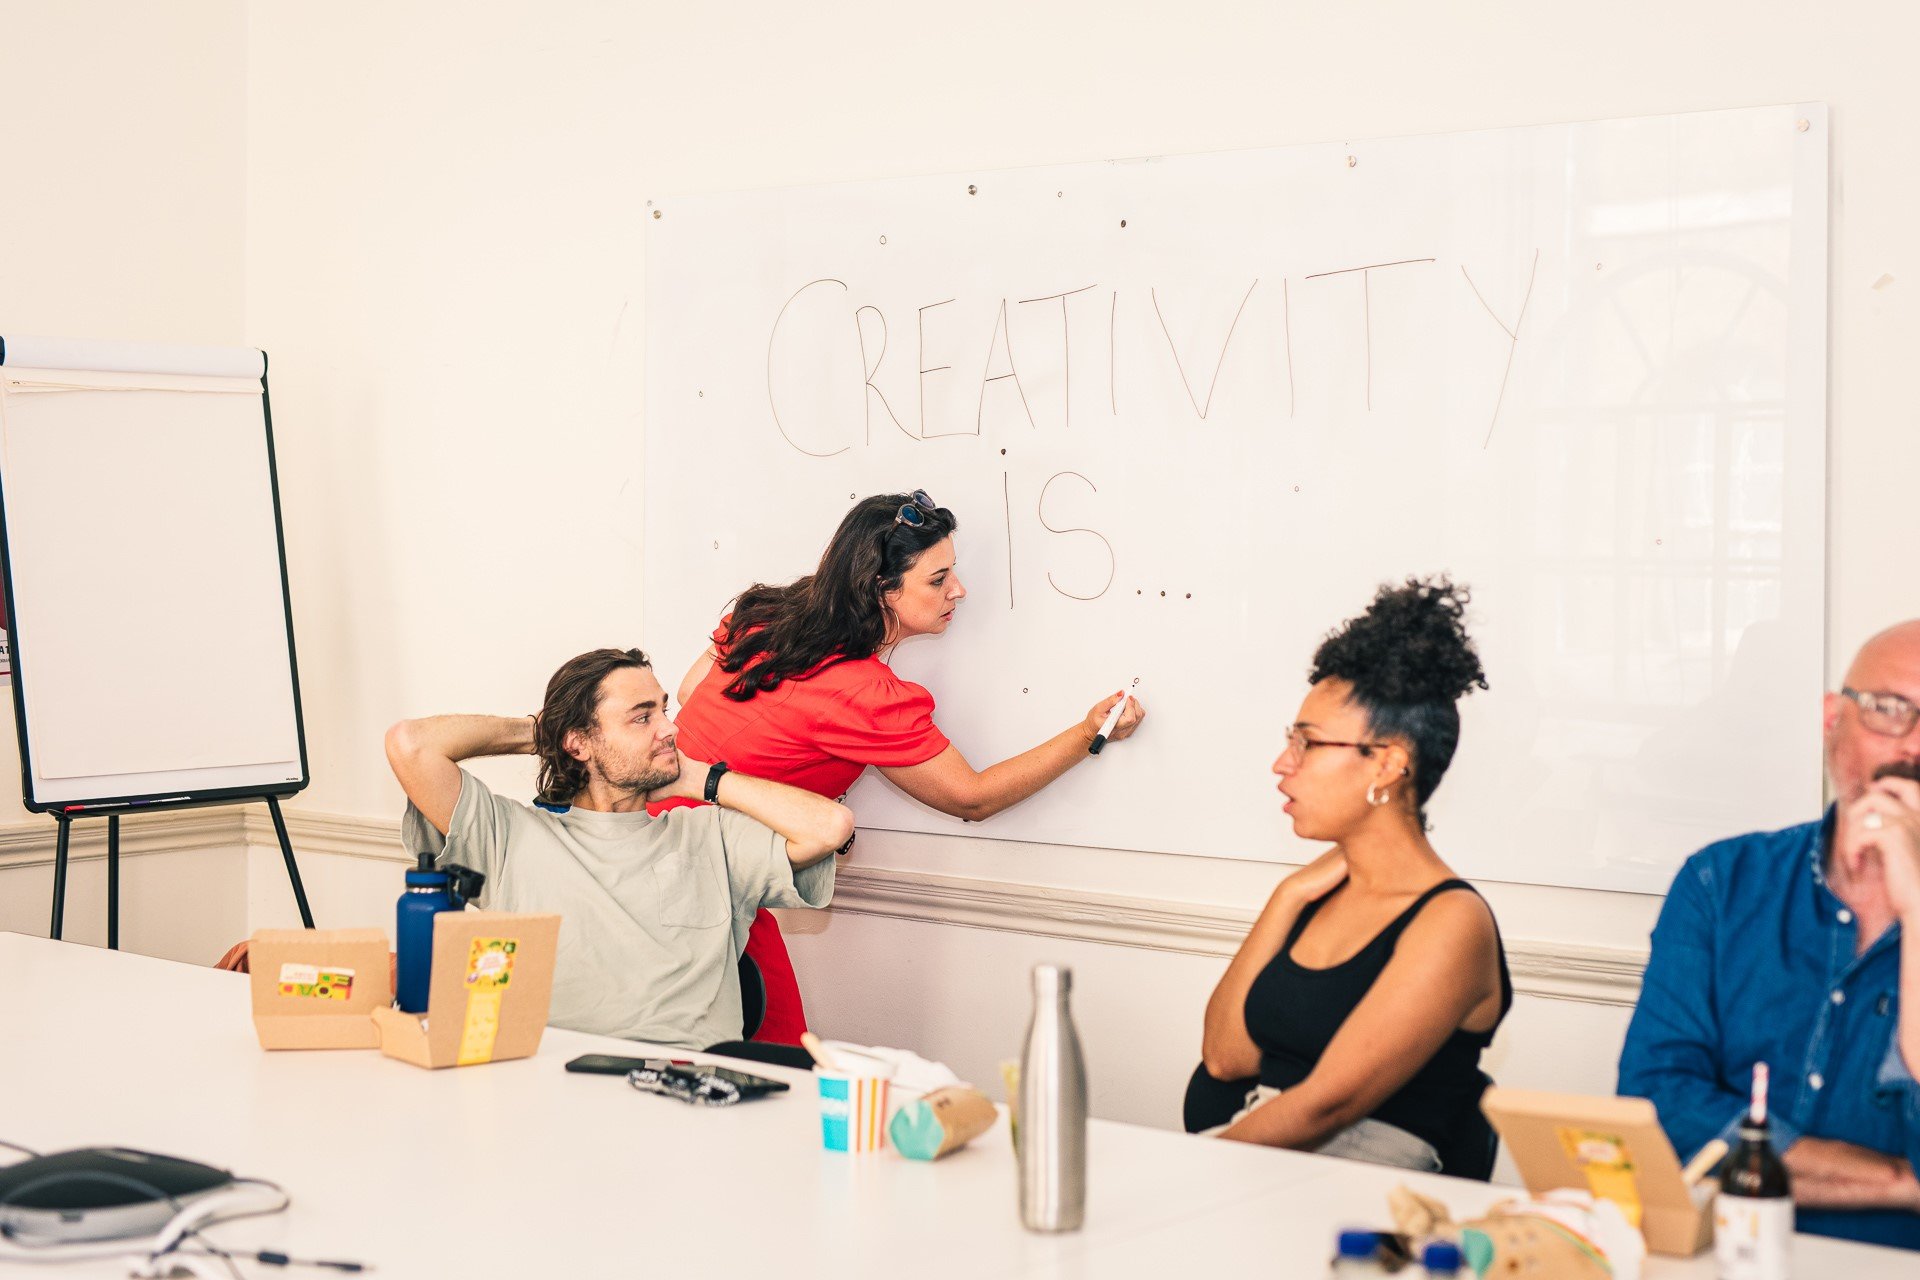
x: 1543, y: 968
x: 32, y: 843
x: 1553, y: 970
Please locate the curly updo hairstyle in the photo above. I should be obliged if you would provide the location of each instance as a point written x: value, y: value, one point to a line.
x: 835, y: 613
x: 1410, y: 661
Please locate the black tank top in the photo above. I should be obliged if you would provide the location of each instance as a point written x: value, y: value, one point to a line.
x: 1293, y: 1012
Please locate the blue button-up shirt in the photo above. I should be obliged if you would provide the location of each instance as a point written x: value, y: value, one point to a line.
x: 1754, y: 961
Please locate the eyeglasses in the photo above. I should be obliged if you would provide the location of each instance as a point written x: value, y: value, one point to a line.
x: 1888, y: 714
x: 1299, y: 743
x: 915, y: 511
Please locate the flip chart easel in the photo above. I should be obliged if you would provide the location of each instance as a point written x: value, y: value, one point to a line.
x: 145, y: 582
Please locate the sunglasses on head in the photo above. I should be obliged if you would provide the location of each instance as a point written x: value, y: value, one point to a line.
x: 913, y: 513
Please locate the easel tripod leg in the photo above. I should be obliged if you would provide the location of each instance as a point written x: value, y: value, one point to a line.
x: 60, y: 875
x: 293, y: 868
x: 113, y: 882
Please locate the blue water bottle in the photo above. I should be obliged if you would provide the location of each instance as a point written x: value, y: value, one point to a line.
x: 429, y: 892
x: 1441, y: 1260
x: 1358, y: 1255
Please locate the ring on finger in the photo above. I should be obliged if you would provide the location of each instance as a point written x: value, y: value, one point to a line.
x: 1872, y: 822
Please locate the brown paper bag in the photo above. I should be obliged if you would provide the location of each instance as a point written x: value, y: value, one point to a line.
x: 941, y: 1121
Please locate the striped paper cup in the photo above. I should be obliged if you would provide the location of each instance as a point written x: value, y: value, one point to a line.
x: 853, y: 1111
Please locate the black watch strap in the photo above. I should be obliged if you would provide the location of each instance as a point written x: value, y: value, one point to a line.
x: 717, y: 771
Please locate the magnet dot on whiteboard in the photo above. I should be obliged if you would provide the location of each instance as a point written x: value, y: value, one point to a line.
x: 883, y: 239
x: 656, y: 213
x: 972, y: 190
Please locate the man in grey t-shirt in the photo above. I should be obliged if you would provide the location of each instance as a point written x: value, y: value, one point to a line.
x: 655, y: 910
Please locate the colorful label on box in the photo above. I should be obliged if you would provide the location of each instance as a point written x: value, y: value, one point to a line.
x: 489, y: 971
x: 490, y: 963
x: 316, y: 982
x: 1607, y: 1165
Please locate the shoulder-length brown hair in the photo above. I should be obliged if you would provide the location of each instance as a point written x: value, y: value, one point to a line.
x: 573, y: 701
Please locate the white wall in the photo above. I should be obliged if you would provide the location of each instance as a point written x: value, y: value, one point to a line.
x: 124, y: 216
x: 443, y: 255
x: 183, y: 901
x: 429, y: 197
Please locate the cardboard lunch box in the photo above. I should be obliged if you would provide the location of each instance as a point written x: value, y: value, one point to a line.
x: 316, y: 988
x: 1612, y: 1147
x: 488, y: 998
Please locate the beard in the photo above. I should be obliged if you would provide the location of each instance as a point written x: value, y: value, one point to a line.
x: 638, y: 779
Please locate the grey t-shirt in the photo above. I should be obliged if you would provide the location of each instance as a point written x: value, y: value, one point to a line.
x: 655, y: 911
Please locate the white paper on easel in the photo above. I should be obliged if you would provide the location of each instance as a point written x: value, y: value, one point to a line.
x: 145, y: 559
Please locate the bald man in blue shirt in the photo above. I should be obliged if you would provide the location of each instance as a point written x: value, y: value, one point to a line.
x: 1801, y: 949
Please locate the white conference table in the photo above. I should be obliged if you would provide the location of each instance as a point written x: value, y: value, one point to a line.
x: 522, y: 1169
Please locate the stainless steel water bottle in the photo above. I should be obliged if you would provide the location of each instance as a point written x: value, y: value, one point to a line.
x: 1053, y: 1110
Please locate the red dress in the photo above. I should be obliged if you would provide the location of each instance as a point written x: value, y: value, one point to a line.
x: 818, y: 732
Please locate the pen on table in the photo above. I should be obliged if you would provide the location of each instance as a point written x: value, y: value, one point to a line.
x: 1106, y: 730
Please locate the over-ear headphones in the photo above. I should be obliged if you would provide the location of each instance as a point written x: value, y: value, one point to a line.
x: 163, y: 1257
x: 248, y: 1199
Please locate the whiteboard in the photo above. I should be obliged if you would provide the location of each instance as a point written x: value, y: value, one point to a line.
x: 1191, y: 411
x: 153, y: 654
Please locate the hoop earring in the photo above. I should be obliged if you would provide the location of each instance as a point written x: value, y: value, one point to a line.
x: 1375, y: 801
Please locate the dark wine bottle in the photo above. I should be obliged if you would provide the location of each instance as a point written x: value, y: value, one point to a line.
x: 1753, y: 1215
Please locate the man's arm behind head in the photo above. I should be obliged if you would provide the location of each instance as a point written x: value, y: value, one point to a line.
x: 425, y: 756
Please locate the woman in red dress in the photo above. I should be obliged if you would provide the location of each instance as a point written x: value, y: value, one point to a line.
x: 796, y: 688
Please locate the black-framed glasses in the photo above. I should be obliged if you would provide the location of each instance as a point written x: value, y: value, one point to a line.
x: 1887, y: 714
x: 1299, y: 743
x: 914, y: 512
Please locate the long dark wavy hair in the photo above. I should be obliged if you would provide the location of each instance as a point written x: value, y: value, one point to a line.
x: 573, y: 702
x: 835, y: 612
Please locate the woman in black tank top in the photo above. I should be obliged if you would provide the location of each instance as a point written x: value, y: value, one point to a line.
x: 1353, y: 1017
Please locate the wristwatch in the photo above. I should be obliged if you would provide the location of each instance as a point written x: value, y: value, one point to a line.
x: 717, y: 771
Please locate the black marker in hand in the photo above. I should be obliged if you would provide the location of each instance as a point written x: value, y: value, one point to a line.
x: 1113, y: 718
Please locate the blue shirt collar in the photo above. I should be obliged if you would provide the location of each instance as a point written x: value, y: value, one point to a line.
x: 1817, y: 851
